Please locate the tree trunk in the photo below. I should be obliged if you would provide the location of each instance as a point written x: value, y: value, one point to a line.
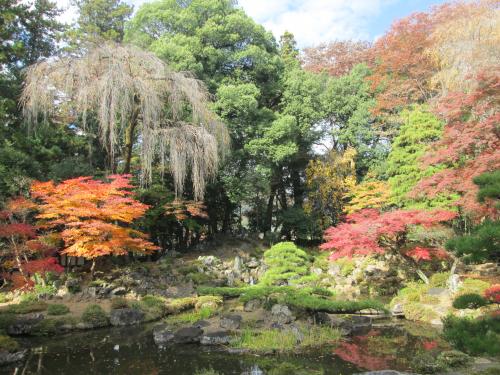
x: 129, y: 145
x: 298, y: 191
x: 269, y: 211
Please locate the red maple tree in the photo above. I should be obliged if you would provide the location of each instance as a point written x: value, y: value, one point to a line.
x: 23, y: 251
x: 93, y: 216
x: 469, y: 147
x: 369, y: 232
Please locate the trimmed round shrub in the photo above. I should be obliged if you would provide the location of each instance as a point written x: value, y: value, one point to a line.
x: 469, y: 301
x: 57, y: 309
x: 95, y: 315
x: 287, y: 264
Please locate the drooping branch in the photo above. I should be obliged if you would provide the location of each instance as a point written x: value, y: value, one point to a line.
x: 121, y: 84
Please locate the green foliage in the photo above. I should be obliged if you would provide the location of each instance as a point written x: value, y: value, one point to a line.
x: 489, y: 186
x: 95, y: 315
x: 473, y: 336
x: 469, y: 301
x: 8, y: 344
x: 286, y: 264
x: 208, y: 371
x: 481, y: 245
x: 414, y: 298
x: 419, y: 129
x: 27, y: 307
x: 119, y: 303
x: 191, y: 317
x: 57, y: 309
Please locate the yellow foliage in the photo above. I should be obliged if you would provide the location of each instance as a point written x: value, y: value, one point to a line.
x: 329, y: 181
x: 369, y: 194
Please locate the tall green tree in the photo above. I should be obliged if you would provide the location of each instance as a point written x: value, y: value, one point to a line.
x: 419, y: 129
x: 99, y: 20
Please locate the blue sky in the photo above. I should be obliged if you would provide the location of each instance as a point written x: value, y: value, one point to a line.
x: 318, y: 21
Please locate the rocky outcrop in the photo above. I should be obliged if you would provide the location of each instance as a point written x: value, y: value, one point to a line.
x: 126, y: 317
x: 24, y: 324
x: 281, y: 314
x: 164, y: 335
x: 215, y: 338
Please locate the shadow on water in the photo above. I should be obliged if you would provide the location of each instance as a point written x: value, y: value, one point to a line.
x: 131, y: 351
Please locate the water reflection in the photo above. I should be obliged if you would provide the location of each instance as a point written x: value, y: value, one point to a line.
x: 131, y: 351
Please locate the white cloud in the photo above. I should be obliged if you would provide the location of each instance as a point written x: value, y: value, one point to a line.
x: 311, y: 21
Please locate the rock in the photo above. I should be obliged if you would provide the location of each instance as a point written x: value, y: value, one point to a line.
x: 316, y: 271
x: 126, y: 317
x: 334, y: 269
x: 397, y: 310
x: 162, y: 335
x: 252, y: 305
x: 231, y: 322
x: 237, y: 265
x: 350, y: 325
x: 209, y: 260
x: 23, y: 325
x: 253, y: 263
x: 201, y: 324
x: 360, y: 324
x: 281, y: 314
x: 7, y: 357
x: 120, y: 291
x: 187, y: 335
x: 454, y: 283
x: 215, y: 338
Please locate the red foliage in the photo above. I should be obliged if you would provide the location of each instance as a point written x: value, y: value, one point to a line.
x: 493, y: 293
x: 336, y: 58
x: 426, y: 253
x: 18, y: 230
x: 94, y: 215
x: 364, y: 231
x: 470, y: 145
x: 49, y: 264
x: 430, y: 345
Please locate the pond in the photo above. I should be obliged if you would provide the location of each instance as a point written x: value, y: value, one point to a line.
x: 131, y: 351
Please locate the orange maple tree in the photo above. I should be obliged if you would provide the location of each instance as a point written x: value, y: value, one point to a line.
x: 93, y: 216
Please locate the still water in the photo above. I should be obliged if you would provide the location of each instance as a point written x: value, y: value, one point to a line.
x: 131, y: 351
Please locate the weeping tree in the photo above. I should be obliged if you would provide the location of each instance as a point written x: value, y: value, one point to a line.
x: 137, y: 101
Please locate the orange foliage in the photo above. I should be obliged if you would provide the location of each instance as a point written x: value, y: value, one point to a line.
x: 94, y: 216
x: 183, y: 210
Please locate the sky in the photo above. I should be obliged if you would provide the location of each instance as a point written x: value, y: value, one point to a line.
x: 318, y: 21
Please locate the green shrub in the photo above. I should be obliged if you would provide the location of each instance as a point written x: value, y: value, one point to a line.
x: 453, y: 359
x: 95, y: 315
x: 469, y: 301
x: 473, y: 336
x: 153, y: 306
x: 8, y: 344
x: 26, y: 307
x: 47, y: 327
x: 47, y: 290
x: 57, y: 309
x: 5, y: 297
x: 6, y: 319
x: 439, y: 280
x: 286, y: 264
x: 208, y: 371
x: 119, y: 303
x: 199, y: 277
x: 29, y: 297
x: 489, y: 186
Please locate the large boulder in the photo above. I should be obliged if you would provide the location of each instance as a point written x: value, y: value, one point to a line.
x: 164, y: 335
x: 281, y: 314
x: 126, y: 317
x: 187, y: 335
x: 231, y: 322
x: 23, y: 325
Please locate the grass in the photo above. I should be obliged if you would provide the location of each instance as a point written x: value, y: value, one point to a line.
x: 119, y: 303
x: 178, y: 305
x: 154, y: 307
x: 191, y: 317
x: 57, y: 309
x: 274, y: 340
